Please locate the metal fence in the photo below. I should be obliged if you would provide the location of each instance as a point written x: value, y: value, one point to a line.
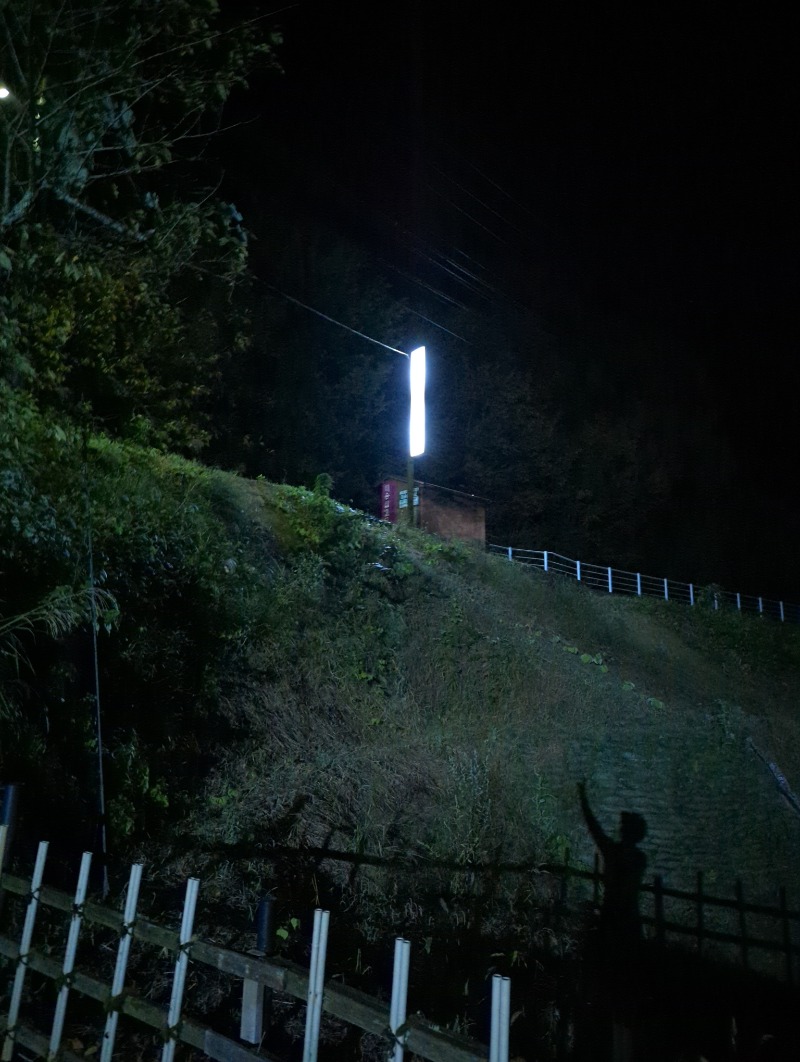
x: 617, y: 581
x: 758, y: 937
x: 23, y: 1023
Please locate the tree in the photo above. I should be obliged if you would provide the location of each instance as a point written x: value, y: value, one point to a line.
x: 308, y: 396
x: 115, y: 253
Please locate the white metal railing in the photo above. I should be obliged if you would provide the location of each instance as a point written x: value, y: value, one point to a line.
x: 617, y: 581
x: 404, y: 1034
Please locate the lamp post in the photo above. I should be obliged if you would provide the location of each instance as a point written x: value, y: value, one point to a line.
x: 416, y: 433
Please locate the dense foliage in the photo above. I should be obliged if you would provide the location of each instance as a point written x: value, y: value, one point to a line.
x: 117, y: 262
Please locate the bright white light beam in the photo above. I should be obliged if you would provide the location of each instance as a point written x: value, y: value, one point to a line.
x: 417, y: 420
x: 4, y: 93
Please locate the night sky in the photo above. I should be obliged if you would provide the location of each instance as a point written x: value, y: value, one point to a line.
x: 613, y: 172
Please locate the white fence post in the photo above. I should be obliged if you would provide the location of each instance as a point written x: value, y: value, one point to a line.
x: 638, y: 584
x: 501, y: 1019
x: 739, y: 601
x: 545, y: 560
x: 69, y: 955
x: 123, y: 951
x: 181, y: 968
x: 666, y: 591
x: 782, y: 616
x: 24, y: 948
x: 691, y: 594
x: 397, y: 1010
x: 760, y: 605
x: 578, y: 569
x: 316, y: 982
x: 610, y: 587
x: 510, y: 553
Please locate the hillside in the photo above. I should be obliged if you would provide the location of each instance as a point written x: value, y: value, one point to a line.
x: 296, y: 697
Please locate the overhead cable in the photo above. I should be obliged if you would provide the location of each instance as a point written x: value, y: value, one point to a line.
x: 332, y: 320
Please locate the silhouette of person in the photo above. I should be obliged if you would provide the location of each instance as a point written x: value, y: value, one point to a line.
x: 612, y: 955
x: 623, y: 870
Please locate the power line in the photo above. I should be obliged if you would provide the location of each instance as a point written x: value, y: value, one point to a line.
x: 332, y: 320
x: 437, y: 325
x: 477, y: 199
x: 421, y: 284
x: 466, y: 213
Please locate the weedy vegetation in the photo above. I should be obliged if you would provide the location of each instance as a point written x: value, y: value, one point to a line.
x: 302, y: 701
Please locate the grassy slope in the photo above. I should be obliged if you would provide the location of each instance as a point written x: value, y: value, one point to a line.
x: 435, y: 708
x: 287, y: 673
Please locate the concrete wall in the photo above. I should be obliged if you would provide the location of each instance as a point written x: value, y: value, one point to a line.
x: 452, y: 515
x: 446, y: 513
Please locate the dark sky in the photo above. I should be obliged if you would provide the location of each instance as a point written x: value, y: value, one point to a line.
x: 614, y: 171
x: 654, y: 159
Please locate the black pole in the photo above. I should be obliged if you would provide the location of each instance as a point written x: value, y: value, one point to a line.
x: 410, y: 490
x: 265, y: 942
x: 8, y: 817
x: 265, y: 925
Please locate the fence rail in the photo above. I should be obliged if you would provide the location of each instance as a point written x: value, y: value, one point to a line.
x: 256, y: 972
x: 682, y: 914
x: 617, y: 581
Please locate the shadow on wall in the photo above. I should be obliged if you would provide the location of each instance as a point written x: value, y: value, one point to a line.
x: 637, y: 1000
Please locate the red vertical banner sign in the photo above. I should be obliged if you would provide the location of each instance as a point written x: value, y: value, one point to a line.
x: 389, y: 501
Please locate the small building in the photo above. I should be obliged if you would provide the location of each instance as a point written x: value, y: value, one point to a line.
x: 439, y: 510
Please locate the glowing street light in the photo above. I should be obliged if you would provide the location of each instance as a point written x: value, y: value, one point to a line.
x: 417, y: 418
x: 4, y: 92
x: 416, y: 432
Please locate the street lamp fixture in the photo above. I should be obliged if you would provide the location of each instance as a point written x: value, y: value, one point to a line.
x: 416, y: 433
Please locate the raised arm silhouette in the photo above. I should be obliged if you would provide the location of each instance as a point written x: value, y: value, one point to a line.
x: 610, y: 979
x: 624, y: 865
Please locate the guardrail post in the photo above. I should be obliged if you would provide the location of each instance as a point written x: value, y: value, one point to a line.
x: 691, y: 594
x: 316, y: 985
x: 397, y: 1008
x: 545, y: 560
x: 24, y: 948
x: 638, y: 584
x: 69, y: 955
x: 181, y: 969
x: 739, y: 601
x: 666, y: 591
x: 760, y: 605
x: 501, y: 1018
x: 578, y: 569
x: 510, y: 553
x: 610, y: 587
x: 121, y: 967
x: 782, y: 616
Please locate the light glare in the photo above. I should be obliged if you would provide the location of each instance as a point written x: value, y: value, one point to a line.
x: 417, y: 420
x: 4, y: 93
